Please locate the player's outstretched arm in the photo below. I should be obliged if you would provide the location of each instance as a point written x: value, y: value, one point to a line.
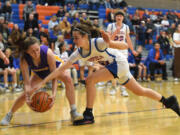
x: 113, y: 44
x: 54, y: 74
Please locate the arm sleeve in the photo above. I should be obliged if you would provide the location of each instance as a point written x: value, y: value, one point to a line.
x: 101, y: 44
x: 74, y: 56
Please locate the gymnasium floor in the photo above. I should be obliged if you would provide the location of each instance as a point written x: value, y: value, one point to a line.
x: 114, y: 115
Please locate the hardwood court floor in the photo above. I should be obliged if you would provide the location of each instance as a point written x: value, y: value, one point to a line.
x: 114, y: 115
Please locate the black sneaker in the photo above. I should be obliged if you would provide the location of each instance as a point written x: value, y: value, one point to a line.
x: 88, y: 119
x: 172, y: 103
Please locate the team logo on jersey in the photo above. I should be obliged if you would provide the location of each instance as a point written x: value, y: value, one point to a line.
x: 95, y: 58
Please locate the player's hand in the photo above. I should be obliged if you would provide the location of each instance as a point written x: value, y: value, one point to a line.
x: 52, y: 98
x: 28, y: 98
x: 6, y: 60
x: 134, y: 53
x: 105, y: 36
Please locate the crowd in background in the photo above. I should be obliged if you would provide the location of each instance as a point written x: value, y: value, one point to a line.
x: 151, y: 28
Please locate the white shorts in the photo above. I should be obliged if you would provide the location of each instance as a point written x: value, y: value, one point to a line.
x: 85, y: 63
x: 120, y: 70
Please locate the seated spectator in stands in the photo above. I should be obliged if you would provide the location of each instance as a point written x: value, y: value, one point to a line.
x: 75, y: 18
x: 160, y: 17
x: 31, y: 23
x: 16, y: 65
x: 28, y: 9
x: 52, y: 23
x: 2, y: 21
x: 59, y: 41
x: 136, y: 20
x: 96, y: 23
x: 56, y: 30
x: 132, y: 65
x: 146, y: 15
x: 141, y: 30
x: 60, y: 14
x: 164, y: 43
x: 46, y: 41
x: 153, y: 17
x: 123, y: 4
x: 150, y: 28
x: 16, y: 28
x: 72, y: 11
x: 157, y: 61
x: 42, y: 31
x: 107, y: 4
x: 7, y: 11
x: 5, y: 31
x: 165, y: 23
x: 142, y: 70
x: 127, y: 18
x: 172, y: 17
x: 84, y: 16
x: 30, y: 33
x: 2, y: 44
x: 68, y: 17
x: 65, y: 27
x: 110, y: 16
x: 92, y: 4
x: 9, y: 69
x: 172, y: 29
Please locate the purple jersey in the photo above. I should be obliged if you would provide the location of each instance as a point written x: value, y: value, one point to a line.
x: 42, y: 70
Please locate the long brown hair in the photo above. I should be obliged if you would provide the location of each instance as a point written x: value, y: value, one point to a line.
x: 86, y: 27
x: 21, y: 43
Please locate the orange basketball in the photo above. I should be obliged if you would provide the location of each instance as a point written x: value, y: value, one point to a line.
x: 41, y: 102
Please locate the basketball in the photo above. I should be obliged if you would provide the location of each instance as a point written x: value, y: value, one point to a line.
x: 41, y: 102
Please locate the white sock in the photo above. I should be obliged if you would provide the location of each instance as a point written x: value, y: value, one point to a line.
x: 5, y: 85
x: 14, y: 85
x: 74, y: 72
x: 73, y: 107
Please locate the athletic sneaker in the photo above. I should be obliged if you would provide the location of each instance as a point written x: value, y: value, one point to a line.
x: 75, y: 115
x: 172, y: 103
x: 124, y: 92
x: 6, y: 120
x: 112, y: 91
x: 88, y: 119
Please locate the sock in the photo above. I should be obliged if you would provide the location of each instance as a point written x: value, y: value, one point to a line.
x: 10, y: 113
x: 14, y: 85
x: 73, y: 107
x: 5, y: 85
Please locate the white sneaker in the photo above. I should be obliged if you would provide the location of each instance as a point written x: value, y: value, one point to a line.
x: 112, y: 92
x: 176, y: 79
x: 75, y: 115
x: 124, y: 92
x: 6, y: 120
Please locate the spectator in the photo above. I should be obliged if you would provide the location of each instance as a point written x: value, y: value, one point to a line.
x: 52, y: 23
x: 84, y: 16
x: 153, y: 17
x: 123, y: 3
x: 16, y: 65
x: 150, y: 28
x: 142, y: 70
x: 28, y: 9
x: 141, y: 33
x: 93, y: 3
x: 146, y: 15
x: 7, y: 11
x: 172, y: 29
x: 96, y: 23
x: 46, y: 41
x: 60, y: 14
x: 164, y: 43
x: 56, y: 30
x: 2, y: 44
x: 165, y: 23
x: 107, y: 4
x: 132, y: 65
x: 5, y: 31
x: 60, y: 40
x: 16, y: 28
x: 72, y: 11
x: 176, y: 68
x: 65, y: 27
x: 31, y: 23
x: 157, y: 61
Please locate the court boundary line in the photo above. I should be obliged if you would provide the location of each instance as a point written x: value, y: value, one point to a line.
x: 102, y: 115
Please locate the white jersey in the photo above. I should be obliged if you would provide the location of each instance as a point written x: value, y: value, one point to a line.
x: 98, y: 51
x: 121, y: 36
x: 64, y: 56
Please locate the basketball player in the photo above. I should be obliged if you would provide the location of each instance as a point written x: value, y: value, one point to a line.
x: 42, y: 62
x: 97, y: 49
x: 120, y: 32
